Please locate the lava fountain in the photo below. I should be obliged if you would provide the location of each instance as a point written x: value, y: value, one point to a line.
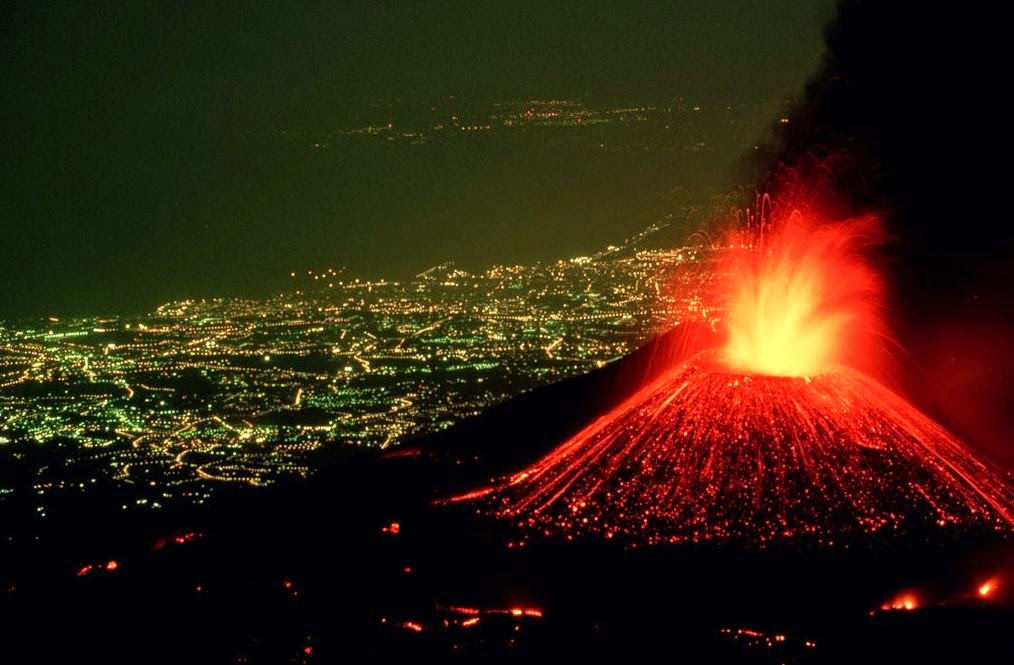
x: 805, y: 299
x: 782, y: 433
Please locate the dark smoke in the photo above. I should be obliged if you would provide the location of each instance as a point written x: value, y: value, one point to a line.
x: 909, y: 116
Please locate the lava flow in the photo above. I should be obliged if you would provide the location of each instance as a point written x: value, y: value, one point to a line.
x: 780, y: 434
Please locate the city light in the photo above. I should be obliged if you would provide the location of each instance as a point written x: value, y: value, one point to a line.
x: 205, y: 393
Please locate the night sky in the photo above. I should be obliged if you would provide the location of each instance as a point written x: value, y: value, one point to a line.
x: 143, y: 160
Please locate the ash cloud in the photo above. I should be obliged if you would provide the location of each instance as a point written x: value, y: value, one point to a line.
x: 910, y: 105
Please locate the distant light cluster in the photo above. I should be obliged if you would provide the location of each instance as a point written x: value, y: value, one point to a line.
x: 671, y: 125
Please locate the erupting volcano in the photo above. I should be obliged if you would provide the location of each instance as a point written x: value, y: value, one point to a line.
x: 782, y: 433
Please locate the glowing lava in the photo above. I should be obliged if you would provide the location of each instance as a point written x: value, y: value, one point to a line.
x: 805, y: 300
x: 776, y: 435
x: 906, y: 602
x: 703, y: 454
x: 987, y: 588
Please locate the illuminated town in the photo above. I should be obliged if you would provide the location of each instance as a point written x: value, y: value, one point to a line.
x: 197, y: 394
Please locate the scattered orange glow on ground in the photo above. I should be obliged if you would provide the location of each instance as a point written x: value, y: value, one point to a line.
x: 756, y: 638
x: 179, y: 539
x: 456, y: 617
x: 108, y: 566
x: 465, y: 610
x: 907, y: 601
x: 532, y: 612
x: 393, y: 528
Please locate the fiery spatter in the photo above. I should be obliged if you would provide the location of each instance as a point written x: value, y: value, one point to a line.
x: 804, y: 299
x: 108, y: 566
x: 778, y: 434
x: 906, y: 601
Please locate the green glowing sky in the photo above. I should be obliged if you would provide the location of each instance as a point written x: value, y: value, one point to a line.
x: 144, y: 161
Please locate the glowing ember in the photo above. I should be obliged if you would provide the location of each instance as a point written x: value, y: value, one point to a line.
x: 179, y: 539
x: 471, y: 611
x: 108, y: 566
x: 532, y: 612
x: 756, y: 638
x: 906, y: 601
x: 987, y: 588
